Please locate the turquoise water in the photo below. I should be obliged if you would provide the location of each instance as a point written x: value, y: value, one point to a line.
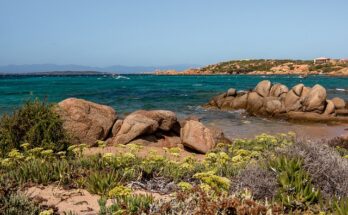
x: 182, y: 94
x: 129, y: 93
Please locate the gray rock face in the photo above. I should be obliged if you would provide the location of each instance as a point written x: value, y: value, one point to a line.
x: 315, y: 100
x: 197, y: 137
x: 86, y: 121
x: 263, y: 88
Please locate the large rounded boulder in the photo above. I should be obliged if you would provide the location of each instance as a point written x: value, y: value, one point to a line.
x: 85, y: 121
x: 298, y: 89
x: 339, y: 103
x: 144, y: 123
x: 292, y: 101
x: 254, y: 103
x: 278, y: 89
x: 330, y: 108
x: 240, y: 101
x: 315, y: 100
x: 196, y: 136
x: 263, y: 88
x: 273, y: 105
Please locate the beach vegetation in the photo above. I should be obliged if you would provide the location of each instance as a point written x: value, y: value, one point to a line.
x: 266, y: 174
x: 35, y: 124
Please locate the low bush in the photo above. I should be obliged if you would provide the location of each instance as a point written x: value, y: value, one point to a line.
x: 36, y: 124
x: 327, y: 169
x: 197, y: 201
x: 14, y: 204
x: 296, y: 190
x: 127, y: 204
x: 261, y: 181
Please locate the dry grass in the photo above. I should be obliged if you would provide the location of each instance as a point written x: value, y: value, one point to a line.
x: 327, y: 169
x: 260, y: 181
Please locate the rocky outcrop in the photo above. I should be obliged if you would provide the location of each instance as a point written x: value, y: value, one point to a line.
x: 85, y: 121
x: 196, y: 136
x: 161, y: 128
x: 263, y: 88
x: 339, y: 103
x: 88, y: 122
x: 278, y: 101
x: 144, y: 123
x: 315, y: 100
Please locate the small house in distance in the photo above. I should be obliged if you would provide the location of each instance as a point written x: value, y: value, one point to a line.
x: 320, y: 60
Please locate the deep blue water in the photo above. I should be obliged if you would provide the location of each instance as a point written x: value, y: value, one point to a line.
x: 182, y: 94
x: 128, y: 93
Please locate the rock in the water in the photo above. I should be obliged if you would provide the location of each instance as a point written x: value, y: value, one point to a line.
x: 330, y: 107
x: 298, y: 89
x: 255, y: 102
x: 315, y: 99
x: 305, y: 92
x: 339, y: 103
x: 292, y: 101
x: 86, y: 121
x: 273, y: 106
x: 231, y: 92
x: 197, y: 137
x: 218, y: 100
x: 263, y: 88
x: 133, y: 126
x: 278, y: 89
x: 228, y: 103
x: 240, y: 102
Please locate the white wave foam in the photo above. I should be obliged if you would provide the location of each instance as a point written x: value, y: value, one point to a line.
x: 121, y: 77
x: 340, y: 89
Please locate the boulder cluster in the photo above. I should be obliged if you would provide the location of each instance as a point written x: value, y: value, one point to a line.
x: 300, y: 102
x: 88, y: 122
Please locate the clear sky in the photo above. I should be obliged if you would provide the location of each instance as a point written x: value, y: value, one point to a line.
x: 164, y: 32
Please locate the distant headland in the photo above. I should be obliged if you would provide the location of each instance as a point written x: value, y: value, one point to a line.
x: 317, y: 66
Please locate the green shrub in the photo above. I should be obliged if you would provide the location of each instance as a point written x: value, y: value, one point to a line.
x: 102, y: 182
x: 296, y: 189
x: 35, y: 123
x: 41, y: 172
x: 14, y: 204
x: 127, y: 204
x: 341, y: 206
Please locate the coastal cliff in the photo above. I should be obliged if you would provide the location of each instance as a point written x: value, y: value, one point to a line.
x: 268, y: 67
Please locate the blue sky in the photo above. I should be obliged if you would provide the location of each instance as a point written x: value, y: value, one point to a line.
x: 160, y: 32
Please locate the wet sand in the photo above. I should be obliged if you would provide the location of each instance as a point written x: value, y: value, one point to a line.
x: 237, y: 124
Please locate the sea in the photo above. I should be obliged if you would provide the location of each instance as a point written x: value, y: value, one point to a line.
x: 181, y: 94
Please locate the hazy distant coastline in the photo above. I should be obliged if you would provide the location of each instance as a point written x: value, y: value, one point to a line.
x: 118, y: 69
